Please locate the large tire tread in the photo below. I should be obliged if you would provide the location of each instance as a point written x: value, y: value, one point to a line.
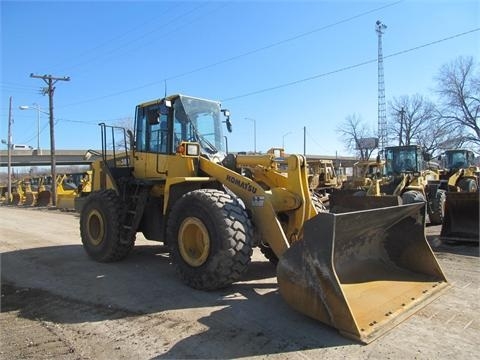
x: 231, y: 237
x: 115, y: 246
x: 438, y: 208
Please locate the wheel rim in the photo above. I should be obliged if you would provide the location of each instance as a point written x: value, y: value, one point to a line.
x: 193, y: 241
x: 95, y: 227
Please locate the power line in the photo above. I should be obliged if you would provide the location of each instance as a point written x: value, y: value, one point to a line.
x: 239, y: 56
x: 281, y: 42
x: 350, y: 67
x: 115, y: 38
x: 135, y: 41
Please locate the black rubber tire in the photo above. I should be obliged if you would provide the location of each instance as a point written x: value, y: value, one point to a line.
x: 43, y: 198
x: 412, y: 196
x: 219, y: 225
x: 467, y: 185
x: 101, y: 229
x: 267, y: 251
x: 437, y: 212
x: 318, y: 204
x: 16, y: 199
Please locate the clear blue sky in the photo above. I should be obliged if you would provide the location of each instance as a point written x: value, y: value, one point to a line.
x: 119, y: 53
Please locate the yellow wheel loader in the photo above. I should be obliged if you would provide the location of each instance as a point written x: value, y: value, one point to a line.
x: 406, y: 179
x: 361, y: 273
x: 68, y: 189
x: 461, y: 179
x: 19, y: 192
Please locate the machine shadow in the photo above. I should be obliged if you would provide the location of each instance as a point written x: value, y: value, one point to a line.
x: 62, y: 284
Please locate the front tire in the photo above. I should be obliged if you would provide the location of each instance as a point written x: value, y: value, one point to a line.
x: 438, y: 208
x: 210, y: 238
x: 101, y: 227
x: 412, y: 196
x: 467, y: 185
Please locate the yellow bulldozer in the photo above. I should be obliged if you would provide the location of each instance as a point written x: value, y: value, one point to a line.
x: 361, y: 273
x: 323, y: 179
x: 365, y: 172
x: 460, y: 177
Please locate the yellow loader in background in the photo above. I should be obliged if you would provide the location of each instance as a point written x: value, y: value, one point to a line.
x: 406, y: 179
x: 461, y: 179
x: 23, y: 194
x: 360, y: 272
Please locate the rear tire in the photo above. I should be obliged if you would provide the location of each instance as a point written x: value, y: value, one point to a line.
x: 210, y: 238
x: 101, y: 220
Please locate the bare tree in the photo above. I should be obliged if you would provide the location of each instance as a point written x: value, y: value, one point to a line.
x: 353, y: 131
x: 122, y: 127
x: 459, y: 90
x: 416, y: 120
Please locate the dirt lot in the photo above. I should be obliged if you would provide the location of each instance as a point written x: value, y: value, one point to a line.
x: 57, y: 303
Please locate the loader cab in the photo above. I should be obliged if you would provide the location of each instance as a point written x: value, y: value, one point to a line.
x: 162, y: 125
x: 459, y: 159
x: 403, y: 159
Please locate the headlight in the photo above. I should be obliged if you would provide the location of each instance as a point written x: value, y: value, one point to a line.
x: 193, y: 150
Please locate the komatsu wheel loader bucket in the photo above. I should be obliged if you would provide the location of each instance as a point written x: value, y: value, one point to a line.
x: 362, y: 272
x: 341, y: 203
x: 461, y: 219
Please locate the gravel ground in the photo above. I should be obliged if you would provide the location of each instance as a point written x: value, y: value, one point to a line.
x: 58, y: 304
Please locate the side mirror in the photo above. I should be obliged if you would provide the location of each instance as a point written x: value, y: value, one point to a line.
x: 227, y: 122
x: 229, y: 125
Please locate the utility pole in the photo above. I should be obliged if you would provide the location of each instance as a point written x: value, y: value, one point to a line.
x: 9, y: 153
x: 382, y: 112
x: 50, y: 81
x: 402, y: 114
x: 305, y: 141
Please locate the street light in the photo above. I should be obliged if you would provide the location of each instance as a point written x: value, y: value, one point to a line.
x: 254, y: 134
x: 283, y: 139
x: 35, y: 107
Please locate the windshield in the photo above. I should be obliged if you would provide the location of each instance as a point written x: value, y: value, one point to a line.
x: 400, y: 160
x: 458, y: 160
x: 199, y: 120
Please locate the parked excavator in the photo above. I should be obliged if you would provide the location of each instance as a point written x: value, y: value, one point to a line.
x: 460, y: 178
x: 361, y: 272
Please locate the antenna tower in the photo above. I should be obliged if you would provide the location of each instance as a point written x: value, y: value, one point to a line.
x: 382, y: 112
